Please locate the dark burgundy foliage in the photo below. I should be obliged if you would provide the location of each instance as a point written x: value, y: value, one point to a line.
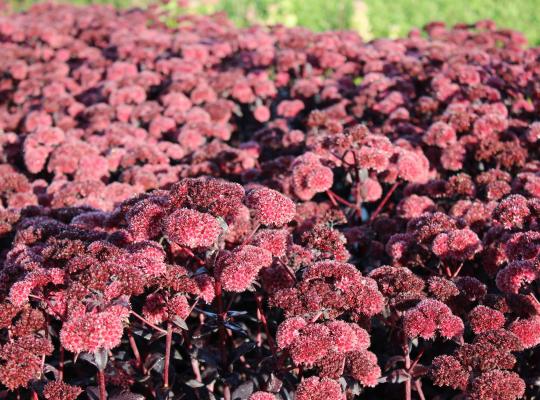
x: 208, y: 212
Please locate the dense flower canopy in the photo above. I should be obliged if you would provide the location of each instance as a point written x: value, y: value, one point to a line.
x: 205, y: 211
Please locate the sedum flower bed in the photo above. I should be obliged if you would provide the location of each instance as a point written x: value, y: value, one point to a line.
x: 208, y: 212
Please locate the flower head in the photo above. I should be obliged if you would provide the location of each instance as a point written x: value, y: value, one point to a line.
x: 512, y: 211
x: 515, y: 275
x: 262, y: 396
x: 527, y: 330
x: 440, y: 134
x: 58, y: 390
x: 483, y: 319
x: 458, y: 244
x: 310, y: 176
x: 315, y: 388
x: 191, y: 228
x: 289, y: 331
x: 93, y: 331
x: 428, y: 318
x: 362, y: 365
x: 448, y: 371
x: 270, y: 207
x: 501, y: 385
x: 238, y: 269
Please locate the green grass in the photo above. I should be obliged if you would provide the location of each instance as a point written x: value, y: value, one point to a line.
x: 372, y: 18
x: 396, y: 18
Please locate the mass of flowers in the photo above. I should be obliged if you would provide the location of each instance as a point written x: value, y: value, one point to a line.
x: 267, y: 213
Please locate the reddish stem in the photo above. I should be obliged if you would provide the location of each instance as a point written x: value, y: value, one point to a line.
x: 102, y: 388
x: 258, y: 339
x: 248, y: 239
x: 227, y: 392
x: 168, y: 343
x: 262, y: 317
x: 458, y: 270
x: 417, y: 359
x: 331, y: 197
x: 408, y: 387
x: 195, y: 367
x: 221, y: 316
x: 288, y: 269
x: 418, y: 387
x: 339, y: 199
x: 193, y: 255
x: 157, y: 328
x: 34, y: 395
x: 61, y: 359
x: 533, y: 298
x: 316, y: 317
x: 46, y: 301
x: 222, y: 334
x: 383, y: 202
x: 136, y: 353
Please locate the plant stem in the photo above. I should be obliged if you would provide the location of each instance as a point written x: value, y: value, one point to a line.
x: 227, y: 392
x: 334, y: 198
x: 196, y: 368
x: 221, y: 316
x: 262, y: 317
x: 157, y: 328
x: 408, y: 388
x: 248, y: 238
x: 135, y: 350
x: 418, y: 387
x: 457, y: 271
x: 61, y: 359
x: 168, y: 343
x: 222, y: 335
x: 102, y: 389
x: 383, y: 202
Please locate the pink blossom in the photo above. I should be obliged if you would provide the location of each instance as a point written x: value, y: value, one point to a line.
x: 290, y: 108
x: 289, y: 331
x: 270, y: 207
x: 348, y: 337
x: 371, y: 190
x: 315, y: 388
x: 93, y: 331
x: 515, y: 275
x: 262, y: 396
x: 459, y: 244
x: 191, y: 228
x: 528, y: 331
x: 373, y: 158
x: 501, y: 385
x: 276, y: 241
x: 310, y: 177
x: 311, y: 345
x: 483, y: 319
x: 512, y: 211
x: 58, y: 390
x: 440, y: 134
x: 238, y: 269
x: 428, y: 318
x: 261, y: 113
x: 448, y: 371
x: 362, y: 366
x: 413, y: 206
x: 412, y: 167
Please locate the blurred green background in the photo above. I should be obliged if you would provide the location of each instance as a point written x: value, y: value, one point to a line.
x: 371, y: 18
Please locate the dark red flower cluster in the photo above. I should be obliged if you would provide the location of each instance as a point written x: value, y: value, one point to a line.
x: 266, y: 213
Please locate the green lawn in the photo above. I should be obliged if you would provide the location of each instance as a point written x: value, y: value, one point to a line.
x: 372, y: 18
x: 394, y: 18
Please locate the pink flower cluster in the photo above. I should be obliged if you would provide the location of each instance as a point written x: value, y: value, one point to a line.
x: 266, y: 213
